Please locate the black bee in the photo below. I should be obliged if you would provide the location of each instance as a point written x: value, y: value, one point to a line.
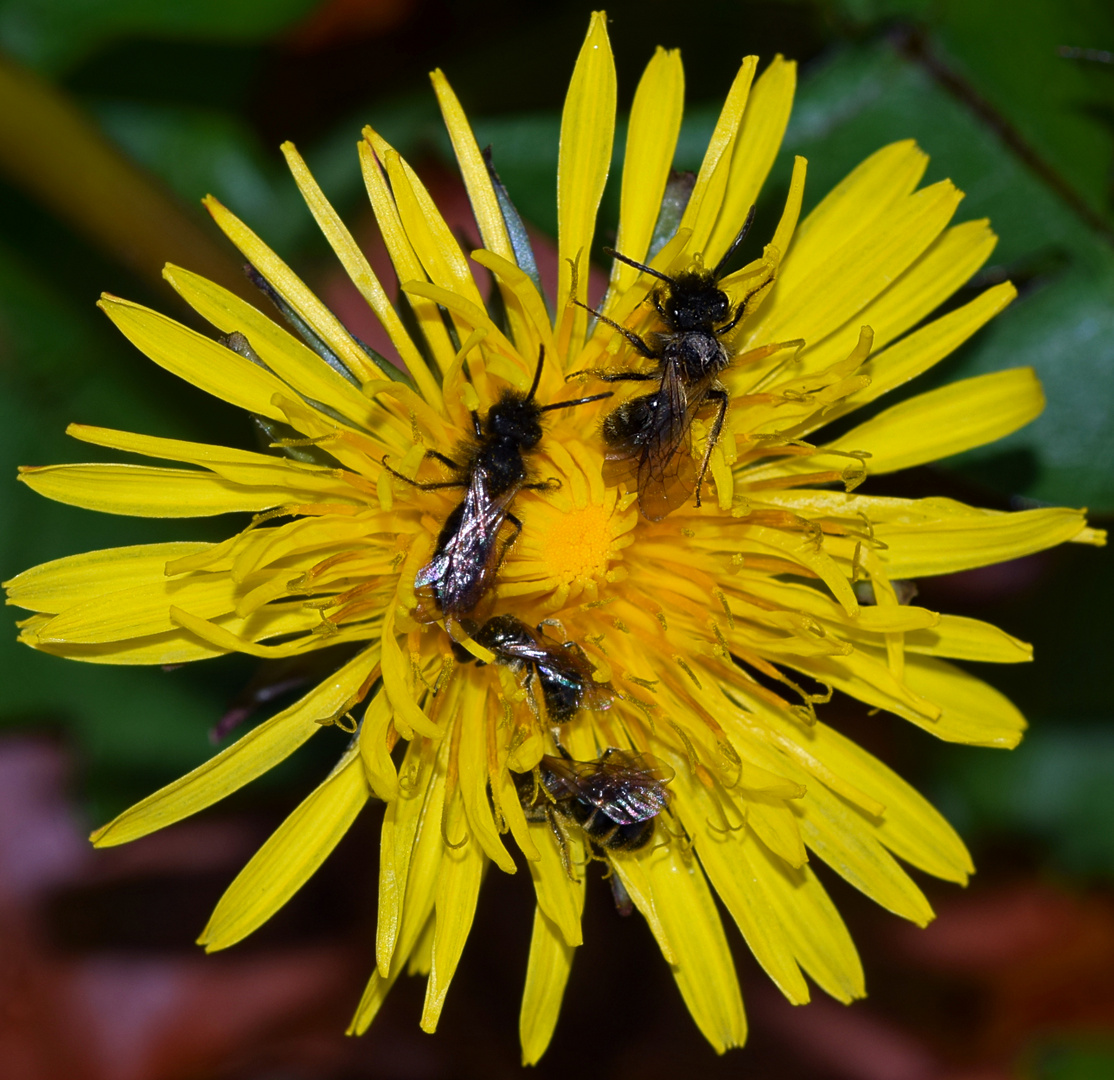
x: 614, y: 799
x: 655, y: 429
x: 493, y: 471
x: 561, y: 669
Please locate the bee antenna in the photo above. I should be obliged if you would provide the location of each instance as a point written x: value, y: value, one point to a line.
x: 735, y: 244
x: 537, y: 374
x: 639, y: 266
x: 576, y: 401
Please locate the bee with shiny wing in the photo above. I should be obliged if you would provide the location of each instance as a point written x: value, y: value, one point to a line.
x: 561, y: 670
x: 615, y: 799
x: 492, y: 471
x: 652, y: 433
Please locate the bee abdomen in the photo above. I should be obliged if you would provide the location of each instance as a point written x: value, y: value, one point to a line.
x: 629, y: 837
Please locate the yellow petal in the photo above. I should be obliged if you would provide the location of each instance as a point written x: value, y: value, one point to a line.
x: 180, y: 646
x: 909, y: 825
x: 764, y: 121
x: 702, y: 960
x: 293, y: 290
x: 960, y: 638
x: 295, y: 363
x: 587, y: 133
x: 842, y: 837
x: 521, y: 293
x: 481, y: 194
x: 946, y: 421
x: 140, y: 610
x: 811, y: 926
x: 378, y: 767
x: 471, y: 314
x: 361, y: 274
x: 477, y: 180
x: 972, y: 712
x: 707, y: 197
x: 787, y: 225
x: 429, y: 234
x: 143, y: 491
x: 195, y: 358
x: 289, y: 858
x: 655, y: 122
x: 401, y: 823
x: 421, y: 956
x: 948, y: 264
x: 919, y: 351
x: 226, y: 638
x: 632, y: 873
x: 458, y: 888
x: 820, y: 287
x: 776, y: 826
x: 398, y: 677
x: 856, y: 202
x: 250, y: 756
x: 373, y: 152
x: 560, y: 896
x: 308, y: 483
x: 473, y: 785
x: 547, y: 972
x: 925, y: 544
x: 727, y: 862
x: 423, y: 863
x: 175, y: 647
x: 63, y: 583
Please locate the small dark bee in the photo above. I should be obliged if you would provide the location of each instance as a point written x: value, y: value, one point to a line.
x: 655, y: 430
x: 561, y: 669
x: 614, y: 799
x: 493, y: 471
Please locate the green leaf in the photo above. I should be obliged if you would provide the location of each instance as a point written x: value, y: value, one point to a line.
x: 1076, y: 1062
x: 1054, y: 788
x: 53, y: 35
x: 1063, y: 324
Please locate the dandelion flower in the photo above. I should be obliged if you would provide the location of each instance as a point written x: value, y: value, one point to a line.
x: 717, y: 631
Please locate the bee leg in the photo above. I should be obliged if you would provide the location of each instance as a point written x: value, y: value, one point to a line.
x: 719, y: 395
x: 615, y: 376
x: 640, y: 346
x: 736, y: 317
x: 438, y: 456
x: 531, y: 697
x: 436, y: 485
x: 562, y: 843
x: 553, y: 622
x: 763, y: 283
x: 623, y: 903
x: 516, y: 524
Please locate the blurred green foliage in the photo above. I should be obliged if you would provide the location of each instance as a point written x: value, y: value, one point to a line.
x: 195, y: 94
x: 1076, y: 1063
x: 51, y: 35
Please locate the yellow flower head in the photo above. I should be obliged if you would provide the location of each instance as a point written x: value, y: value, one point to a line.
x: 571, y: 644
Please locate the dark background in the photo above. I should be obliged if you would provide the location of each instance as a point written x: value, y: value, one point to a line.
x: 117, y: 116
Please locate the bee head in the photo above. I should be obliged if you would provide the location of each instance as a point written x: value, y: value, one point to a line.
x: 695, y: 303
x: 516, y: 418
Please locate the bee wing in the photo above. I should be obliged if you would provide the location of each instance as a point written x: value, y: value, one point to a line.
x: 463, y: 569
x: 627, y: 787
x: 597, y: 696
x: 666, y: 474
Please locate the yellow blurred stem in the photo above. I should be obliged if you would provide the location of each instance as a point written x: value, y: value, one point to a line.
x: 54, y: 152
